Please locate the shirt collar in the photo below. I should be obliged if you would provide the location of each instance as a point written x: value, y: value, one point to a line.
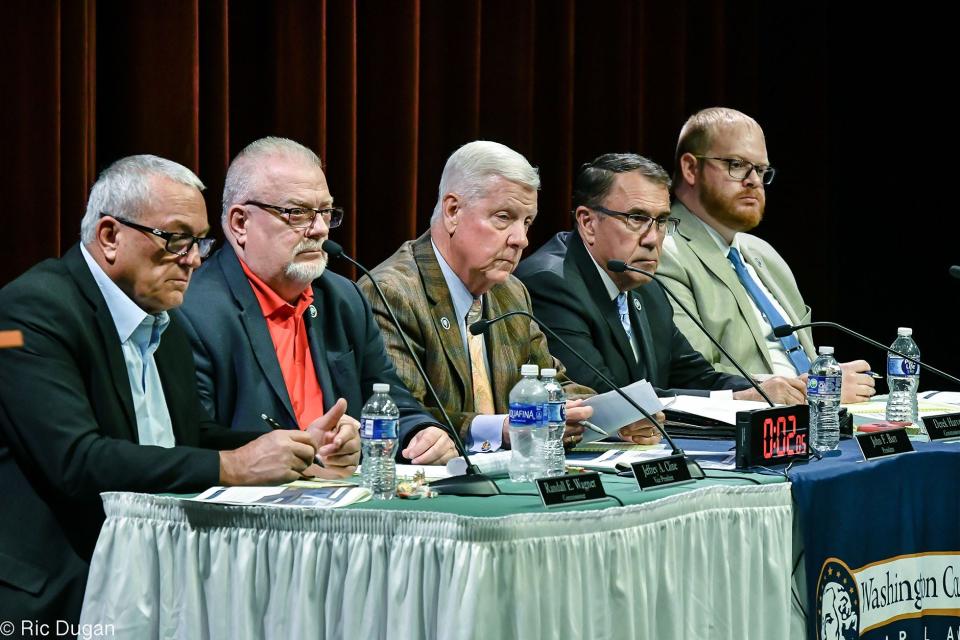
x: 461, y: 296
x: 721, y: 242
x: 612, y: 289
x: 271, y: 304
x: 127, y: 316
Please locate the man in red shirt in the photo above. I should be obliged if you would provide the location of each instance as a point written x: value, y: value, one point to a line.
x: 272, y: 331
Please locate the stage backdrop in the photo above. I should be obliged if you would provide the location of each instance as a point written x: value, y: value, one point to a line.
x: 385, y: 90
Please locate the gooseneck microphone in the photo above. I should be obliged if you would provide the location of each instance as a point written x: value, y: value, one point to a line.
x: 786, y: 329
x: 481, y: 326
x: 473, y: 483
x: 619, y: 266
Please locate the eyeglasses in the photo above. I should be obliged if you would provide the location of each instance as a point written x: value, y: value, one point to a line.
x: 740, y: 169
x: 178, y: 244
x: 302, y: 217
x: 640, y: 223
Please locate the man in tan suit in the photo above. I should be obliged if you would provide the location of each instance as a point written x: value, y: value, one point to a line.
x: 461, y: 271
x: 736, y: 283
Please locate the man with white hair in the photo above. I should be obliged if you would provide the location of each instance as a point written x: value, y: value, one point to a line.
x: 461, y: 271
x: 273, y: 331
x: 102, y: 396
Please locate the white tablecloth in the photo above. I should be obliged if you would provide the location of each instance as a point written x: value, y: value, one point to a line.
x: 712, y: 563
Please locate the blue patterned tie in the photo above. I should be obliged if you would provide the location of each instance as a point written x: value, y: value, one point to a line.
x: 624, y: 315
x: 790, y: 343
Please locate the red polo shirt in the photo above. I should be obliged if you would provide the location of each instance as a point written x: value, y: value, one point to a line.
x: 289, y: 335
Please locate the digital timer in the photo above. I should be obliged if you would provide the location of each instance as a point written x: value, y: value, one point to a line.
x: 772, y: 436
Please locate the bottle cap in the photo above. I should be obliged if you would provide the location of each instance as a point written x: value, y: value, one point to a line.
x: 825, y: 351
x: 904, y: 331
x: 381, y: 387
x: 529, y: 370
x: 548, y: 373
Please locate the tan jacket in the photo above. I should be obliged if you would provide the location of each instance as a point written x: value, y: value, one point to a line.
x: 413, y: 283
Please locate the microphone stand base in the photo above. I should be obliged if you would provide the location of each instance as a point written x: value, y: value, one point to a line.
x: 467, y: 485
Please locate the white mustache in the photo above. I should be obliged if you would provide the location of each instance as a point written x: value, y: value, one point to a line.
x: 308, y: 245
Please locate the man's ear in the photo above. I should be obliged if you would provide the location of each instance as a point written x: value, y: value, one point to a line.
x: 236, y: 225
x: 688, y: 169
x: 451, y: 211
x: 587, y: 221
x: 107, y: 237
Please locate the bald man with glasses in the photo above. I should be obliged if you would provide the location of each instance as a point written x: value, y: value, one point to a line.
x: 273, y: 332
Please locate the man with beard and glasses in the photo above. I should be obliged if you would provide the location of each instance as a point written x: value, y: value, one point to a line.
x: 736, y: 283
x: 273, y: 332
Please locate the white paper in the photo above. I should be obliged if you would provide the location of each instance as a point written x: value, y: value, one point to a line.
x: 608, y: 460
x: 718, y: 409
x: 299, y: 494
x: 430, y: 471
x: 488, y: 463
x: 610, y: 411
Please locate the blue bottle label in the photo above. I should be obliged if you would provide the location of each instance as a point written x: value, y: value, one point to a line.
x: 526, y: 415
x: 555, y: 412
x: 378, y: 428
x: 897, y: 366
x: 828, y: 386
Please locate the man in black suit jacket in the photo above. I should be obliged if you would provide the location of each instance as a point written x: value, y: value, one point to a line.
x: 81, y: 413
x: 253, y: 304
x: 622, y: 208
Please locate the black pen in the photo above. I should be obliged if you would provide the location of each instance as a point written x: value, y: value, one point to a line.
x: 273, y: 424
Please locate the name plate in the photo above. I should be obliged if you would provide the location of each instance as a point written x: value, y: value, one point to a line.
x: 661, y: 472
x: 880, y: 444
x: 571, y: 489
x: 945, y: 428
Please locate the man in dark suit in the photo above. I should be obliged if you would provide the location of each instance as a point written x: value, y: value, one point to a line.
x: 622, y: 208
x: 97, y: 401
x: 461, y: 271
x: 272, y: 330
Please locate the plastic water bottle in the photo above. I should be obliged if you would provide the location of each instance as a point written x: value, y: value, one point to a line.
x: 903, y: 378
x: 555, y: 415
x: 378, y: 438
x: 823, y: 396
x: 527, y: 427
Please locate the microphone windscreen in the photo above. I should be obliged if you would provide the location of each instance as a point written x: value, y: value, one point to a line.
x: 782, y: 331
x: 478, y: 327
x: 332, y: 249
x: 617, y: 266
x: 955, y: 271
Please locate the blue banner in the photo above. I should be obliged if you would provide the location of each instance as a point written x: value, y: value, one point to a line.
x: 882, y: 544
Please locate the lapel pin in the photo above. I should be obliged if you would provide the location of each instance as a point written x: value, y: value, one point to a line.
x: 444, y: 322
x: 313, y: 311
x: 636, y: 304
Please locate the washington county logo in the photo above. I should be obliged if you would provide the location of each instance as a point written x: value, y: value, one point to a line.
x: 838, y: 602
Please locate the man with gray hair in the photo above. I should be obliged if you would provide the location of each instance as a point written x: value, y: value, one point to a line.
x: 274, y: 332
x: 459, y: 272
x: 737, y: 284
x: 620, y: 321
x: 102, y: 396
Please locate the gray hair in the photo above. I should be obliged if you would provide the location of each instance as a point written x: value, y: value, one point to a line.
x: 469, y: 169
x: 595, y: 178
x: 123, y: 189
x: 240, y: 175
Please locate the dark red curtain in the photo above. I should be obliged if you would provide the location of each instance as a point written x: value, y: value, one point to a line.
x: 851, y: 102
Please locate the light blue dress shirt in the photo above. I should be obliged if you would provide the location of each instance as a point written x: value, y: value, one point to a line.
x: 139, y: 334
x: 482, y: 428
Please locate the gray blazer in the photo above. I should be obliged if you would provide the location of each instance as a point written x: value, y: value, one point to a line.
x: 695, y: 269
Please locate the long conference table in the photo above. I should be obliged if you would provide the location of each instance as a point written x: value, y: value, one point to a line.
x: 716, y: 559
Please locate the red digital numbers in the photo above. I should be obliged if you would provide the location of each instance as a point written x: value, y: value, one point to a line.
x: 780, y: 438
